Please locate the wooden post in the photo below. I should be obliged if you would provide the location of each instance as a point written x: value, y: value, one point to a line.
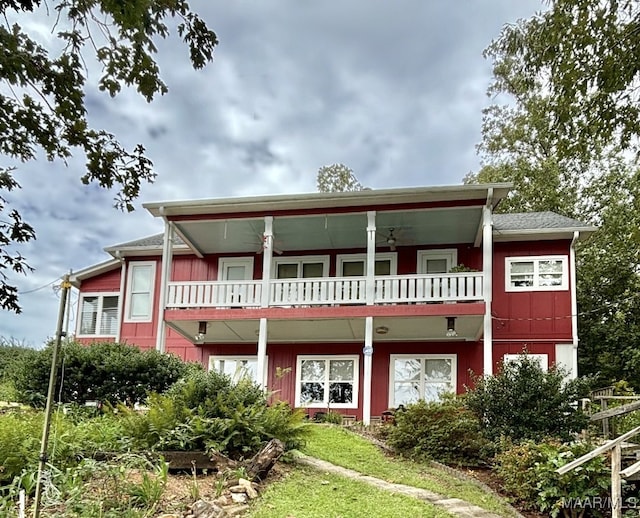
x: 616, y: 482
x: 605, y: 421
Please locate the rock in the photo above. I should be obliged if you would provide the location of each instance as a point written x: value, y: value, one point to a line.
x: 237, y: 489
x: 249, y: 488
x: 204, y: 509
x: 237, y: 510
x: 239, y: 498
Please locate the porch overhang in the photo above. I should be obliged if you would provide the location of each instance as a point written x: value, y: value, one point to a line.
x: 425, y: 323
x: 329, y: 221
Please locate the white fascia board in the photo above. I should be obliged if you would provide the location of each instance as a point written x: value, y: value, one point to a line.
x: 141, y: 251
x: 545, y: 234
x: 365, y: 198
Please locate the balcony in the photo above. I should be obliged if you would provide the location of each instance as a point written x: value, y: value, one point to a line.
x: 332, y: 291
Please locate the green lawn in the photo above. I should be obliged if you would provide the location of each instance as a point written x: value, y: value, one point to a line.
x: 307, y: 493
x: 347, y: 449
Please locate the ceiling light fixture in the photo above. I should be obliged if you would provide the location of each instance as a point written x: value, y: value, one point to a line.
x: 382, y: 330
x: 451, y: 327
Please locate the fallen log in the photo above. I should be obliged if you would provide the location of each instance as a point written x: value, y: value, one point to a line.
x: 260, y: 464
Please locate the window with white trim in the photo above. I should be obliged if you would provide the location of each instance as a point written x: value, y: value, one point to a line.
x: 416, y: 377
x: 140, y: 284
x: 355, y: 265
x: 327, y: 381
x: 98, y: 314
x: 541, y: 359
x: 237, y: 367
x: 437, y: 261
x: 301, y: 267
x: 536, y: 273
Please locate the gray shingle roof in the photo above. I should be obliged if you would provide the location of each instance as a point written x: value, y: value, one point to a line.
x: 536, y: 221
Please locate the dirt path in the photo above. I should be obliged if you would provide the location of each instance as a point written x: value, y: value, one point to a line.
x: 455, y: 506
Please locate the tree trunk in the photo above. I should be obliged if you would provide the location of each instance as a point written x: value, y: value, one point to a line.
x: 259, y: 466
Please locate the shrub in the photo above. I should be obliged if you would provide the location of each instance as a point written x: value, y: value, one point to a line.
x: 105, y: 372
x: 208, y: 411
x: 524, y: 402
x: 10, y: 357
x: 21, y: 432
x: 528, y: 473
x: 444, y: 431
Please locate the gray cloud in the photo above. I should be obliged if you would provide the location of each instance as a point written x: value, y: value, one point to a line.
x: 394, y: 90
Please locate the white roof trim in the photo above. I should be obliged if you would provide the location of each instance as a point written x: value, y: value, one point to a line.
x: 542, y: 233
x: 321, y: 200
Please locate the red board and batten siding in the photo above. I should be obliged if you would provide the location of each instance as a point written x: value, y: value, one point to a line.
x: 531, y: 320
x: 283, y: 357
x: 106, y: 282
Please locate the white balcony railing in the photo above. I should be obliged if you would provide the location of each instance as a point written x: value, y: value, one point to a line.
x: 451, y: 287
x: 389, y: 289
x: 212, y: 294
x: 320, y: 291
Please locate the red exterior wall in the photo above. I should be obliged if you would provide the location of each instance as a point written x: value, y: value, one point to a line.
x: 534, y: 321
x: 535, y: 315
x: 284, y: 356
x: 109, y: 281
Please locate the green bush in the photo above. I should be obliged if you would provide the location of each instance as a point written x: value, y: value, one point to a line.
x: 11, y: 355
x: 522, y: 401
x: 207, y: 411
x: 528, y: 473
x: 444, y: 431
x: 105, y: 372
x: 69, y: 439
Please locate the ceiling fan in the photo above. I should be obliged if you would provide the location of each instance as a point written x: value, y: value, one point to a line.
x: 261, y: 242
x: 389, y: 239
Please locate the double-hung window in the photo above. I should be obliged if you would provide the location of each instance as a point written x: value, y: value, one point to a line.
x: 140, y: 283
x: 327, y: 381
x: 98, y: 314
x: 415, y: 377
x: 536, y: 273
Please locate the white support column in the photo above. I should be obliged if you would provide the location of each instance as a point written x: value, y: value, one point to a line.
x: 123, y: 285
x: 487, y: 268
x: 371, y: 257
x: 165, y: 277
x: 262, y: 353
x: 367, y: 352
x: 574, y: 304
x: 267, y: 255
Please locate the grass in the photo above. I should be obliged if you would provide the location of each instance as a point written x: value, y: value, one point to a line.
x: 306, y: 493
x: 347, y: 449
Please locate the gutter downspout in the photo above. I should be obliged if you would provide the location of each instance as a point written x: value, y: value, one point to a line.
x: 123, y: 280
x: 574, y: 303
x: 487, y: 269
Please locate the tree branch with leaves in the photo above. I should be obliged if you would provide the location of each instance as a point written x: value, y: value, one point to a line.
x: 42, y: 104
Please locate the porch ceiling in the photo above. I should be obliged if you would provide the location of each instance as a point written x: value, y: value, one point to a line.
x: 432, y: 328
x: 441, y: 226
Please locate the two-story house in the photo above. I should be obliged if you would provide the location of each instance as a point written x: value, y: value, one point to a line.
x: 357, y: 301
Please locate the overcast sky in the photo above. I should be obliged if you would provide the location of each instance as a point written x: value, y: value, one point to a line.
x: 394, y: 90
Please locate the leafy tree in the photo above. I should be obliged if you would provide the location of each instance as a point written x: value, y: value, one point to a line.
x: 43, y: 110
x: 337, y: 178
x: 521, y: 401
x: 560, y: 159
x: 585, y: 55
